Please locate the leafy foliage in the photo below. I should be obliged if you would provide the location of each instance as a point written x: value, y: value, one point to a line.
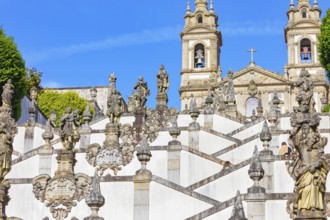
x: 12, y: 66
x: 324, y: 45
x: 49, y: 100
x: 33, y: 78
x: 326, y: 108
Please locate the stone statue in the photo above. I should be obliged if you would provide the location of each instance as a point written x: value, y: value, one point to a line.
x: 115, y: 106
x: 162, y: 80
x: 69, y: 125
x: 230, y: 96
x: 7, y: 93
x: 5, y: 150
x: 309, y: 168
x: 193, y: 104
x: 142, y: 92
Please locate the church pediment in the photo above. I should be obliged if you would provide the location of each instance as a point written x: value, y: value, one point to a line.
x: 199, y: 29
x: 258, y: 75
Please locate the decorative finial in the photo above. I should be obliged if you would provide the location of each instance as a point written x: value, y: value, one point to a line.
x: 188, y: 7
x: 266, y: 137
x: 48, y: 135
x: 291, y: 4
x: 238, y: 210
x: 316, y: 3
x: 256, y: 173
x: 211, y: 6
x: 94, y: 199
x: 143, y: 154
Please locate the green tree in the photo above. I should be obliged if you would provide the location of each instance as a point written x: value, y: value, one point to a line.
x: 324, y: 45
x: 12, y: 66
x: 49, y: 100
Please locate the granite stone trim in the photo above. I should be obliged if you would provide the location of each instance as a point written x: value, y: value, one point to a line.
x: 203, y: 155
x: 234, y: 146
x: 219, y: 134
x: 213, y: 210
x: 219, y: 175
x: 249, y: 125
x: 184, y: 190
x: 229, y: 117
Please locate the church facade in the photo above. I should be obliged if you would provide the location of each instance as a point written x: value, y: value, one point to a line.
x: 216, y: 158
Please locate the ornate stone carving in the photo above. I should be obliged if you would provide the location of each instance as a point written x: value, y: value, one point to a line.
x: 115, y: 102
x: 252, y: 88
x: 230, y: 96
x: 309, y: 168
x: 138, y: 99
x: 163, y: 82
x: 65, y: 189
x: 8, y: 129
x: 7, y: 94
x: 219, y: 99
x: 69, y: 125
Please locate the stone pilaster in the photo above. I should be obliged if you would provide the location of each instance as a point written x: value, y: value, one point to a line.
x: 141, y: 196
x: 46, y: 152
x: 28, y: 138
x: 142, y: 181
x: 174, y: 155
x: 85, y: 131
x: 208, y: 111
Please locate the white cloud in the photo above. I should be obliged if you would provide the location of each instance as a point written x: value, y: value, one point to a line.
x: 52, y: 84
x: 247, y: 28
x: 251, y: 28
x: 143, y: 37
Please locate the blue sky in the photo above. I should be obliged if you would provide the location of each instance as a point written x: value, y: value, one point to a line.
x: 80, y: 42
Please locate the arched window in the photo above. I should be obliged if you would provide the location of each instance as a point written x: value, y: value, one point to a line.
x: 199, y: 19
x: 304, y: 13
x: 199, y: 56
x: 250, y: 105
x: 305, y: 51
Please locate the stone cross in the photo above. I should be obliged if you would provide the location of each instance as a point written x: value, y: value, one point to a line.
x: 252, y: 51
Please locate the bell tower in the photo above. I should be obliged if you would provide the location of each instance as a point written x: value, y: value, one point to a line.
x: 301, y: 38
x: 201, y: 43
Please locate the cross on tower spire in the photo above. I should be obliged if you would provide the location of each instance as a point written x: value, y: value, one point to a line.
x: 252, y: 58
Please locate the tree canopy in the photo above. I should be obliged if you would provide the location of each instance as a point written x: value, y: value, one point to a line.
x: 12, y: 66
x: 49, y: 100
x: 324, y: 45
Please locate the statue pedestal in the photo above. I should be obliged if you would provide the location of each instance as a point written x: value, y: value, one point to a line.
x: 161, y: 101
x: 310, y: 215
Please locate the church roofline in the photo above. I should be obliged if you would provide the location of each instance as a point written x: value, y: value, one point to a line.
x: 261, y: 70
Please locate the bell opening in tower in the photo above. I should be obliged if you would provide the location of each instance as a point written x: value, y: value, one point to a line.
x: 305, y: 51
x: 199, y: 56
